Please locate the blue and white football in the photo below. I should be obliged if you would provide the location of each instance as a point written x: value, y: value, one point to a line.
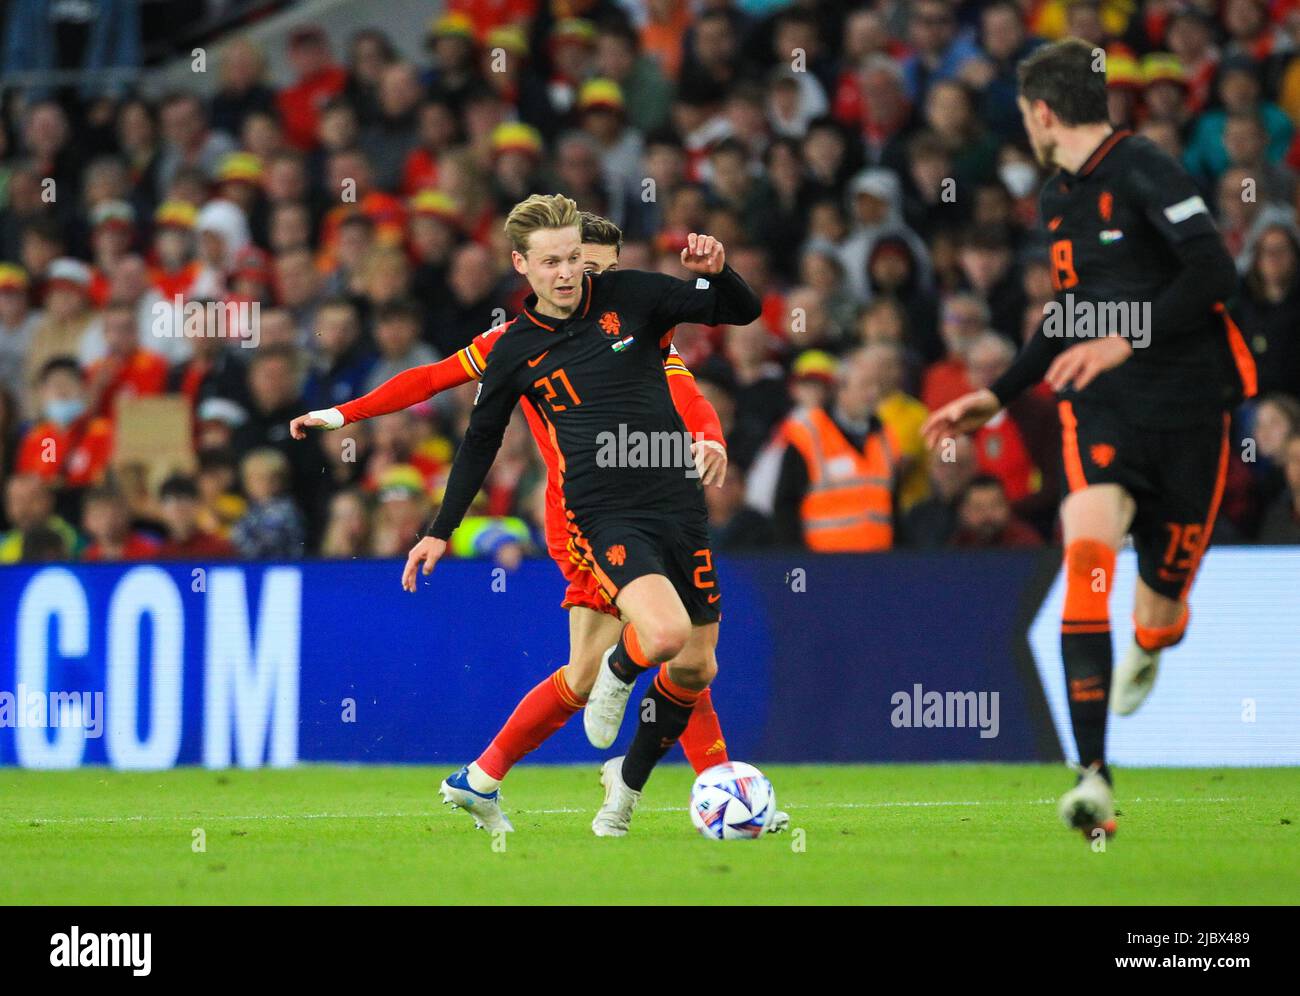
x: 732, y: 801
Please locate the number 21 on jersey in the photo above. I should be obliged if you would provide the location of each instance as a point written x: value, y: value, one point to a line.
x: 552, y: 397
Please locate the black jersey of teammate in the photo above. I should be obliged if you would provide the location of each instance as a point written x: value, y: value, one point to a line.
x: 597, y: 379
x: 1116, y: 227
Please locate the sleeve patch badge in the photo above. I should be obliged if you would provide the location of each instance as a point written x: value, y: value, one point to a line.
x: 1186, y: 209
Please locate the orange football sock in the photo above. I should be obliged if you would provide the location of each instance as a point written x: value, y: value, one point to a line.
x: 539, y: 714
x: 1151, y: 638
x: 702, y: 739
x: 1085, y: 644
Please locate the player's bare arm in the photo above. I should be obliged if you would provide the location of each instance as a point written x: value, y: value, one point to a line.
x: 710, y: 459
x: 424, y: 556
x: 1077, y: 367
x: 959, y: 417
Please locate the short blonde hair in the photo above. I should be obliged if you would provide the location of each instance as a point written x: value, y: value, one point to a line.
x: 538, y: 212
x: 269, y: 461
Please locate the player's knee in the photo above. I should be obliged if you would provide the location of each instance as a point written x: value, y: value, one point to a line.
x: 694, y: 671
x: 664, y: 639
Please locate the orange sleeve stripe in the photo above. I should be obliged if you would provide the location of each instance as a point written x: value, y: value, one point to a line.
x: 1070, y: 447
x: 463, y: 356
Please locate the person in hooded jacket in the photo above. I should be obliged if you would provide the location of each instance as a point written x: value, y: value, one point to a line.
x: 875, y: 203
x: 1268, y: 306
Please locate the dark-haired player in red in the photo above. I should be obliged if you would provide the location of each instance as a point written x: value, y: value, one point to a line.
x: 594, y: 622
x: 1141, y: 275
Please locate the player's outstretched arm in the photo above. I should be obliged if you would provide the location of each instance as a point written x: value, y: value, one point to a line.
x: 400, y: 391
x: 719, y: 296
x: 410, y: 387
x: 959, y: 417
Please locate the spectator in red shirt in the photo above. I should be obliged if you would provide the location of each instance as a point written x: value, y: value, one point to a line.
x: 179, y: 497
x: 1021, y: 446
x: 174, y: 246
x: 319, y: 79
x: 69, y: 447
x: 126, y: 369
x: 965, y: 317
x: 984, y: 518
x: 112, y: 230
x: 106, y: 519
x: 436, y: 132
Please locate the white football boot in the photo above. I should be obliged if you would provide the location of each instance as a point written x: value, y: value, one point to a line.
x: 603, y: 714
x: 1133, y: 678
x: 615, y: 815
x: 780, y: 822
x: 1090, y: 805
x: 485, y: 808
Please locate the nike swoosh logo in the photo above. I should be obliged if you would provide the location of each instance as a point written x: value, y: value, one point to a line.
x: 713, y: 598
x: 533, y: 362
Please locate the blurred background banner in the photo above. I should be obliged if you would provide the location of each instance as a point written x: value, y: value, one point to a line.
x: 924, y: 659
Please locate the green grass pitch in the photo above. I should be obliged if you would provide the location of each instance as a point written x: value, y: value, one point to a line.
x: 864, y: 834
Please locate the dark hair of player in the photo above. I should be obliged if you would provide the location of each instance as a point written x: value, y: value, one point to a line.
x: 601, y: 231
x: 1064, y: 75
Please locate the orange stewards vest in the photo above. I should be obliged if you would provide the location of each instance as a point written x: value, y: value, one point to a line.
x: 849, y: 504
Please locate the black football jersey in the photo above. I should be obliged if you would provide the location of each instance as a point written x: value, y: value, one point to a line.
x: 597, y: 379
x: 1114, y: 227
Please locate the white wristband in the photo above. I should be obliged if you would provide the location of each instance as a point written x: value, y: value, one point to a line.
x: 332, y: 417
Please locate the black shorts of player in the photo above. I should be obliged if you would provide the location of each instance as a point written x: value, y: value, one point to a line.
x: 1175, y: 477
x: 621, y: 550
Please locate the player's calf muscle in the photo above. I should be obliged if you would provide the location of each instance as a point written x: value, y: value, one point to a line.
x: 591, y: 633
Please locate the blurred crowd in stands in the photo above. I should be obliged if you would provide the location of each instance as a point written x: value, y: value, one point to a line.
x: 183, y: 276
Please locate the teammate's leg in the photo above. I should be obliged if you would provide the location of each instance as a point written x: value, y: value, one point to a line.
x: 1158, y: 622
x: 1095, y: 520
x: 1171, y: 537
